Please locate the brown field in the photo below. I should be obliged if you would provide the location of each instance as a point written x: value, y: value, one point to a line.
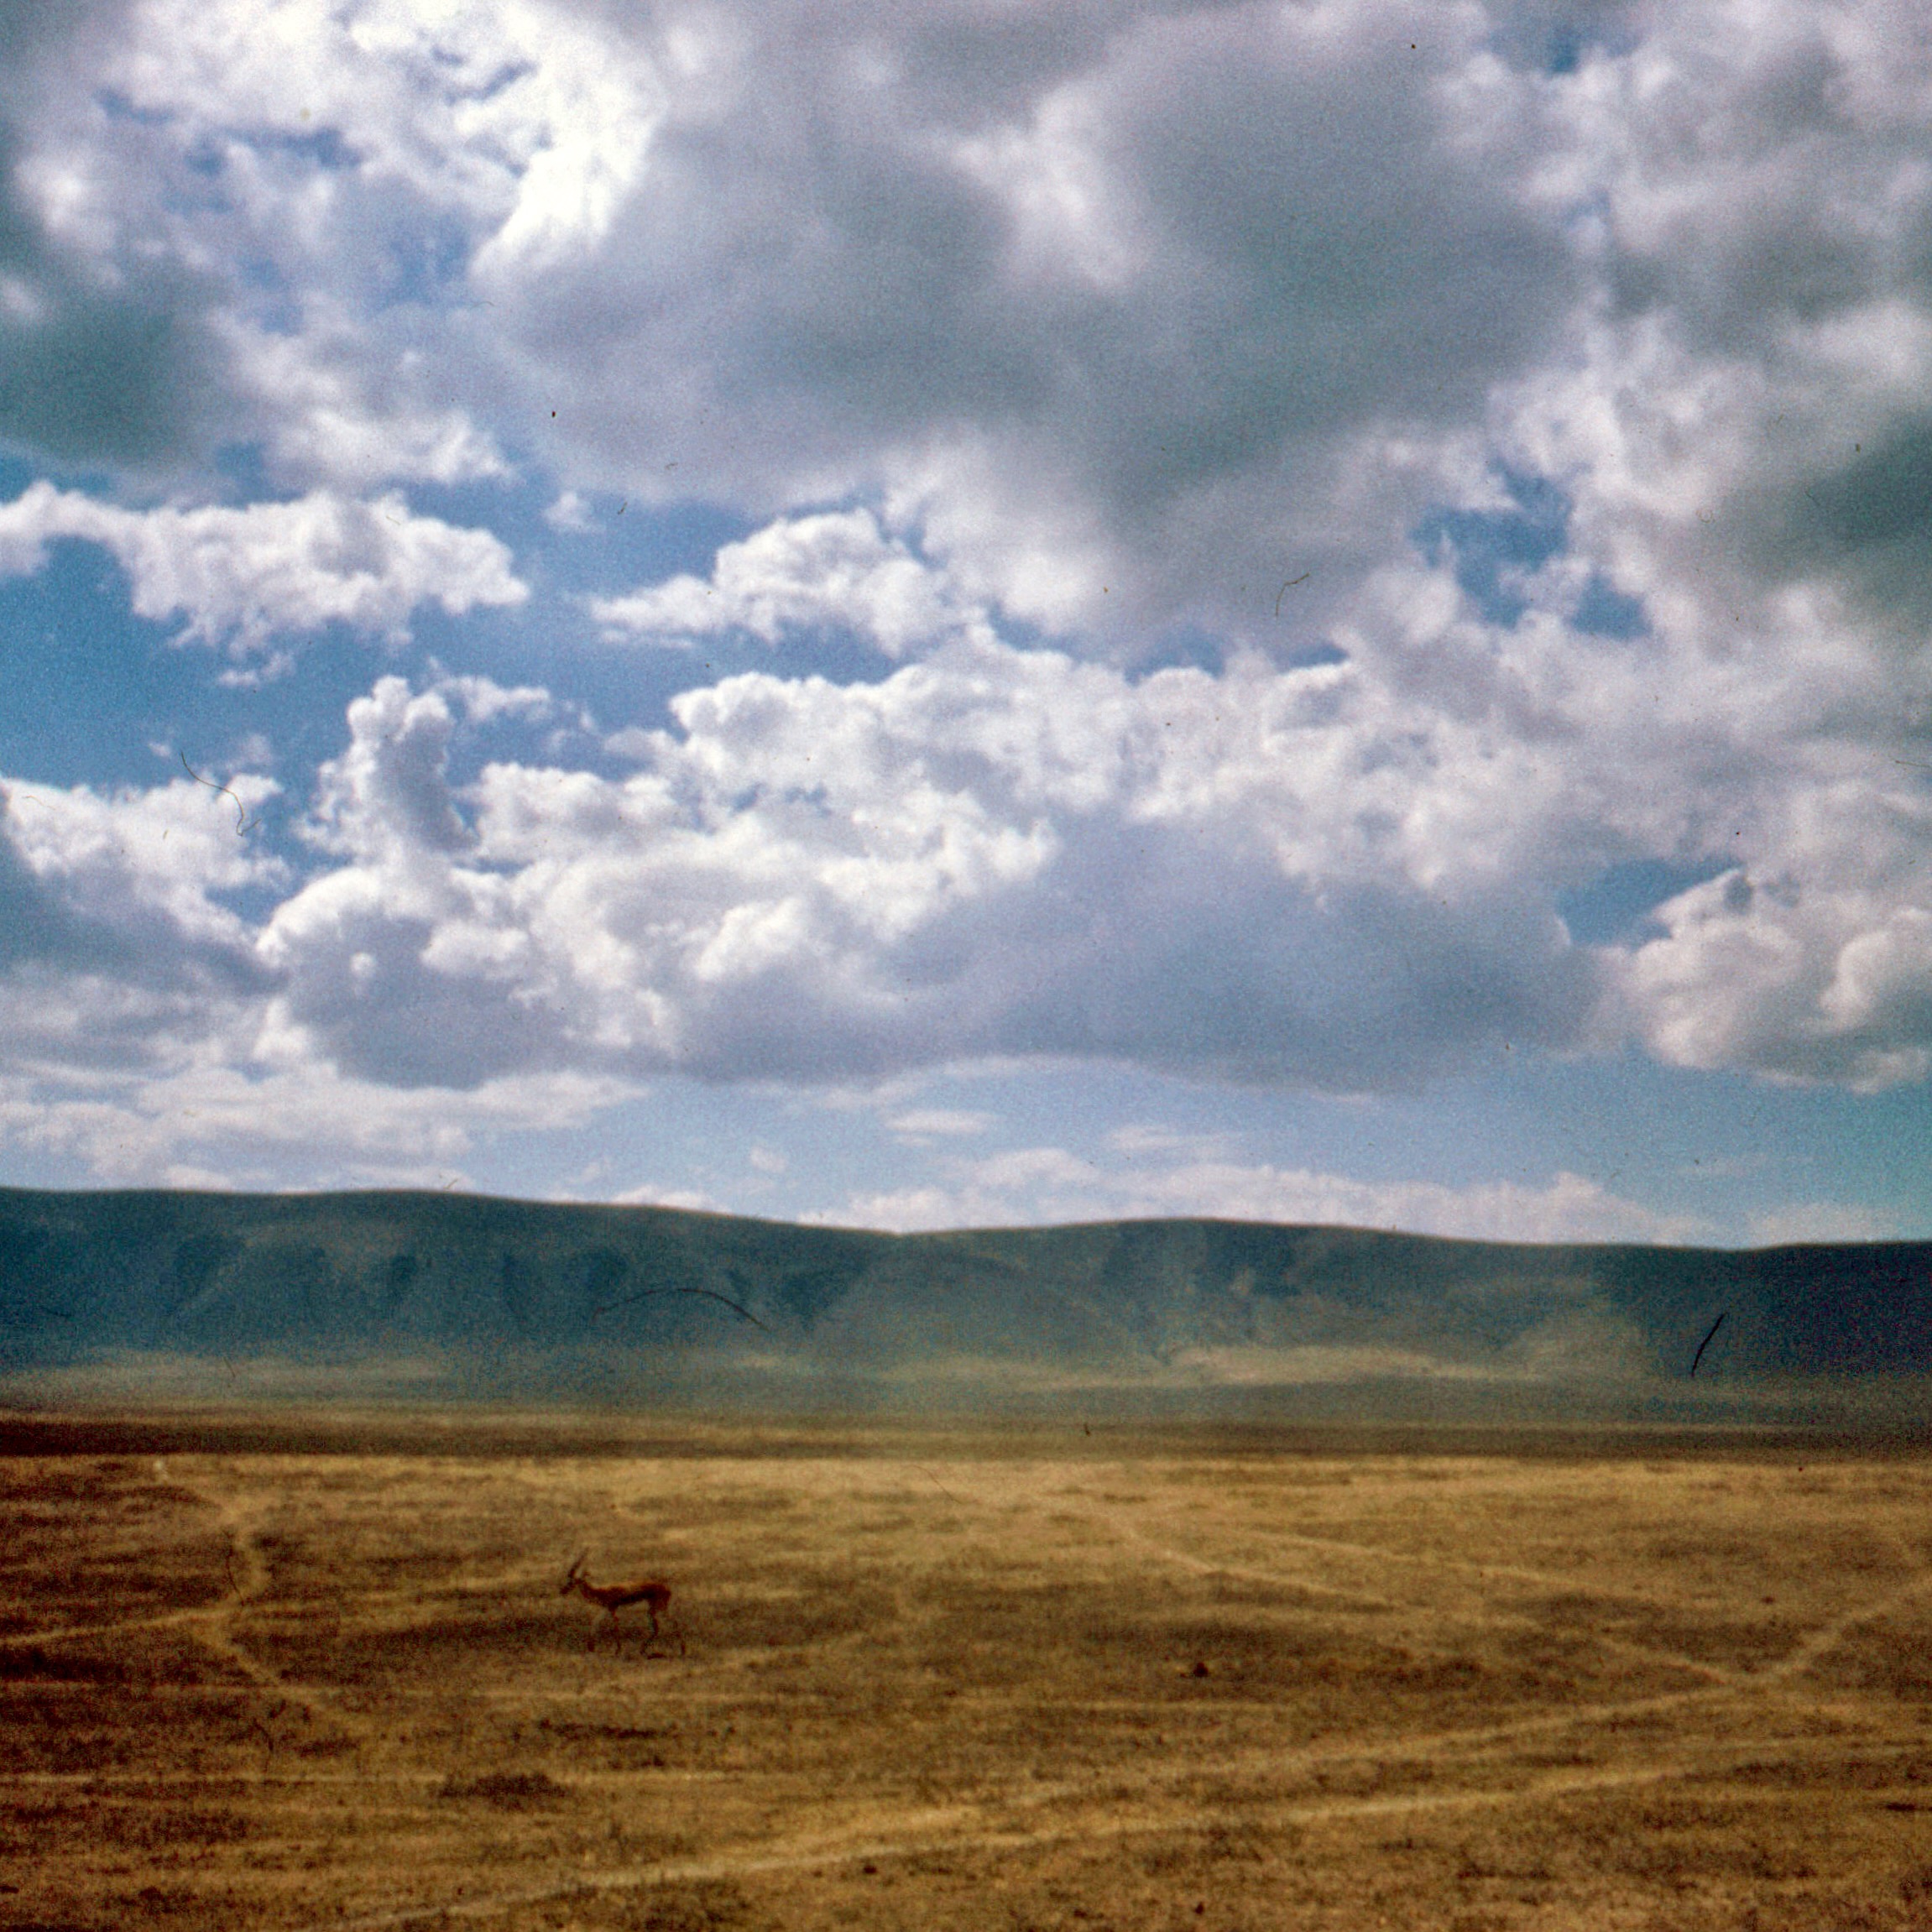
x: 286, y: 1675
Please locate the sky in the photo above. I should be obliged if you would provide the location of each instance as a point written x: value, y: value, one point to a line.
x: 954, y: 615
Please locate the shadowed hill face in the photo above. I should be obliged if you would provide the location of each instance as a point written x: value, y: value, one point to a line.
x: 494, y: 1296
x: 188, y: 1271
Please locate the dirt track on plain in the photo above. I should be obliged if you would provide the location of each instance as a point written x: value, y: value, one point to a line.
x: 961, y: 1677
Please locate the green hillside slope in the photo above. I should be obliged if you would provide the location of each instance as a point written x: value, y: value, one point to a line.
x: 497, y: 1294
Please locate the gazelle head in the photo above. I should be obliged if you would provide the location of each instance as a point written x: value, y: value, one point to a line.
x: 570, y: 1581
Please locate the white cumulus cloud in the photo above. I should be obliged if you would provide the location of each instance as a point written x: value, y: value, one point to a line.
x: 993, y: 852
x: 242, y: 576
x: 839, y: 571
x: 1049, y: 1185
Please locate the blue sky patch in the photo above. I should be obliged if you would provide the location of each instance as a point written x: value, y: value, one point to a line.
x: 1495, y: 552
x: 1605, y: 611
x: 1491, y: 551
x: 1615, y: 908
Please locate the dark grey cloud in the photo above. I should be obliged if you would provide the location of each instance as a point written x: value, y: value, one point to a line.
x: 375, y: 1008
x: 93, y: 974
x: 1771, y: 240
x: 1146, y: 949
x: 106, y: 354
x: 117, y: 375
x: 1868, y: 522
x: 848, y: 267
x: 1852, y: 506
x: 1177, y: 952
x: 37, y: 927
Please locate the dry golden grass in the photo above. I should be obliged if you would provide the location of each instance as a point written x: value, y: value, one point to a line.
x: 989, y: 1679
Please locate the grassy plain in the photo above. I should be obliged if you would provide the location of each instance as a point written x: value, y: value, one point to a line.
x: 289, y: 1673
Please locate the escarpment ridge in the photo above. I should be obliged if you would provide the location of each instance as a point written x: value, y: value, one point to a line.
x: 466, y: 1295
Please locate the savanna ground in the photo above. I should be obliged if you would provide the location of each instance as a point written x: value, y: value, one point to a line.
x: 304, y: 1676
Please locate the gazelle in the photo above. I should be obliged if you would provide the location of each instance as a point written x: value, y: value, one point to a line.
x: 655, y: 1597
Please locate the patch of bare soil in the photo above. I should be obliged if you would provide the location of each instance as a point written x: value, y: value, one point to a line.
x: 959, y: 1678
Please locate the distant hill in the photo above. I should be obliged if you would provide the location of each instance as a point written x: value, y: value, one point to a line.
x: 440, y: 1294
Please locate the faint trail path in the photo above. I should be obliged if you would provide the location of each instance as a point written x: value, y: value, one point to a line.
x: 1720, y: 1682
x: 1330, y: 1780
x: 1209, y: 1566
x: 936, y: 1829
x: 70, y: 1632
x: 975, y: 1825
x: 1477, y: 1570
x: 1760, y: 1689
x: 244, y: 1572
x: 240, y: 1512
x: 1294, y: 1580
x: 1827, y: 1637
x: 286, y: 1707
x: 1445, y: 1562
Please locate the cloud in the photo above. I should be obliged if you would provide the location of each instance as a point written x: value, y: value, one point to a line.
x: 138, y: 1016
x: 1257, y: 874
x: 984, y: 269
x: 260, y: 1127
x: 648, y: 1195
x: 923, y: 1124
x: 572, y: 512
x: 996, y: 852
x: 1533, y: 433
x: 995, y: 268
x: 483, y: 700
x: 1049, y: 1185
x: 119, y: 950
x: 168, y: 850
x: 220, y: 227
x: 1819, y: 1221
x: 398, y: 966
x: 1815, y: 967
x: 324, y: 415
x: 986, y: 265
x: 993, y: 854
x: 837, y: 571
x: 242, y: 577
x: 108, y: 347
